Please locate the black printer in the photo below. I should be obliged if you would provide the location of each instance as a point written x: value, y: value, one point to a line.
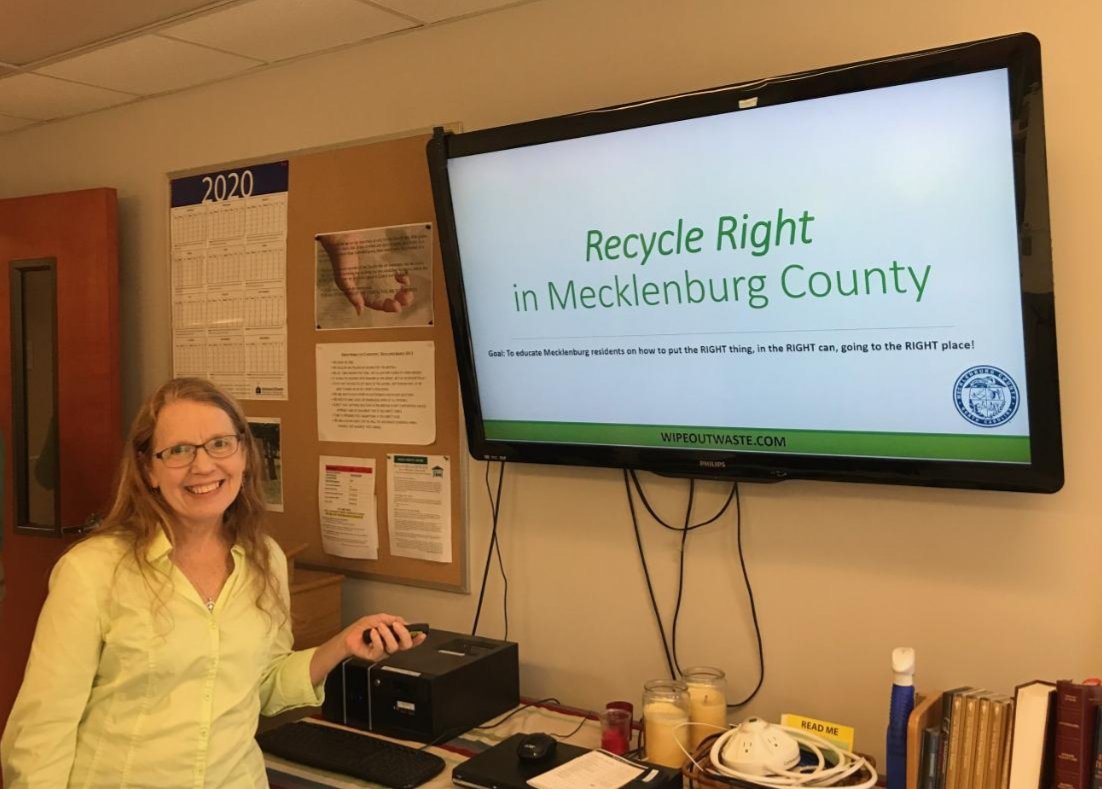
x: 450, y: 683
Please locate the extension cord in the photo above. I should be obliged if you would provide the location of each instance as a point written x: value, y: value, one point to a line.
x: 768, y: 755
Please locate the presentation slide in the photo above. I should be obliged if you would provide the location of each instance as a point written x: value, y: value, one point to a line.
x: 837, y: 276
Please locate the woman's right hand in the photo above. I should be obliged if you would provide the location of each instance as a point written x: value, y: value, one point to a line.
x: 379, y: 635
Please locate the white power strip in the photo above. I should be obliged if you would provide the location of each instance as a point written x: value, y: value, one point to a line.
x: 769, y: 755
x: 760, y: 748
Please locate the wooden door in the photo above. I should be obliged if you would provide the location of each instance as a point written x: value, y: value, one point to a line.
x: 74, y: 234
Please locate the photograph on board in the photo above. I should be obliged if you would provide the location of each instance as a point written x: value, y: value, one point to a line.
x: 379, y: 277
x: 266, y: 431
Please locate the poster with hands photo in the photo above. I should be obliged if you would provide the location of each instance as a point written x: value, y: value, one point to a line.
x: 378, y: 277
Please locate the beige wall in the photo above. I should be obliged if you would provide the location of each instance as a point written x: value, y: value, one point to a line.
x: 991, y: 588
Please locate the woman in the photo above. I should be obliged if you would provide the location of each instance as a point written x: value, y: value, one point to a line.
x: 166, y: 633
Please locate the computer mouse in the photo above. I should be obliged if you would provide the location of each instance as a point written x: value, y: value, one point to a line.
x: 536, y: 747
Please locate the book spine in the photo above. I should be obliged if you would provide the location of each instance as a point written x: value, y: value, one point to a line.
x: 1001, y: 712
x: 947, y: 700
x: 1073, y: 743
x: 1050, y: 745
x: 1096, y: 779
x: 968, y: 742
x: 983, y: 743
x: 959, y: 733
x: 931, y: 742
x: 956, y: 740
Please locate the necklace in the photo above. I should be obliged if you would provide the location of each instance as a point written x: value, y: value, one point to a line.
x: 208, y: 600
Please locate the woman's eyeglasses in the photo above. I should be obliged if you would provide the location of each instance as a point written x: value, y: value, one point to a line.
x: 180, y: 455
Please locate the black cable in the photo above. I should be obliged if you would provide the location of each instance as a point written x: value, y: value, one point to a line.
x: 495, y: 505
x: 577, y: 729
x: 646, y: 575
x: 671, y: 653
x: 455, y: 732
x: 490, y: 551
x: 653, y: 514
x: 534, y: 704
x: 447, y: 735
x: 450, y: 733
x: 521, y: 708
x: 681, y: 575
x: 753, y: 607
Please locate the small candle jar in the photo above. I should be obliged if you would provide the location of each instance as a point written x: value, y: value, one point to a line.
x: 707, y: 702
x: 665, y: 715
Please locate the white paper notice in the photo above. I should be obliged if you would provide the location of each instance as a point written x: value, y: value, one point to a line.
x: 593, y: 770
x: 346, y: 504
x: 377, y: 392
x: 418, y: 492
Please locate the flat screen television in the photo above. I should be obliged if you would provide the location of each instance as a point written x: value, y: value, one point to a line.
x: 842, y: 274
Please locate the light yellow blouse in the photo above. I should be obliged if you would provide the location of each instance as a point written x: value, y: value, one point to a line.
x: 123, y: 692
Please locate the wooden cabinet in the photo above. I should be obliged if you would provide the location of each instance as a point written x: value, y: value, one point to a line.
x: 315, y: 602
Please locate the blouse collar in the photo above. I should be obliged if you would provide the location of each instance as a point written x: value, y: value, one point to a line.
x: 160, y: 547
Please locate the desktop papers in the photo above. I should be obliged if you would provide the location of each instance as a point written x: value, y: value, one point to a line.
x: 346, y: 504
x: 377, y: 392
x: 593, y: 770
x: 418, y: 492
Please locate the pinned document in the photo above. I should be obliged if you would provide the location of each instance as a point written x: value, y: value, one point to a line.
x: 346, y: 503
x: 377, y: 392
x: 418, y: 492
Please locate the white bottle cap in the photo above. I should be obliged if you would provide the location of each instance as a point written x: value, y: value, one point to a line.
x: 903, y: 665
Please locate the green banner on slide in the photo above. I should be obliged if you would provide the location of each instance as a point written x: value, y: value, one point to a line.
x: 843, y: 443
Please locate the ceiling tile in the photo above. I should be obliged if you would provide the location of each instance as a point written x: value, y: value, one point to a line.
x: 436, y: 10
x: 278, y: 29
x: 10, y: 124
x: 43, y: 98
x: 149, y: 64
x: 34, y: 30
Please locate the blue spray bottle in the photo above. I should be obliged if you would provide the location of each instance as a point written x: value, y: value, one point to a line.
x: 903, y: 701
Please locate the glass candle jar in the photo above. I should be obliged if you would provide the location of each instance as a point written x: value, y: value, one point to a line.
x: 707, y: 702
x: 665, y: 715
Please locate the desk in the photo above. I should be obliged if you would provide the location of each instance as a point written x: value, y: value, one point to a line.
x: 553, y: 720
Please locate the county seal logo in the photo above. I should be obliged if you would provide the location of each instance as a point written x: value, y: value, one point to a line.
x: 986, y: 396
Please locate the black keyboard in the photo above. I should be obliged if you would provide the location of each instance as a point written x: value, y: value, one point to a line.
x: 351, y: 753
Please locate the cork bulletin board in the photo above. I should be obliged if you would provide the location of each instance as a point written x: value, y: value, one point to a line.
x: 378, y: 184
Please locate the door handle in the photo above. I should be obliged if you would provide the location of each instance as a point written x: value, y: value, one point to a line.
x: 92, y: 521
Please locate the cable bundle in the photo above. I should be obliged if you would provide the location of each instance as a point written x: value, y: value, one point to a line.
x: 703, y: 771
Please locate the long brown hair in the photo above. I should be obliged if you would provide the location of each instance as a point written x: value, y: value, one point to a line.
x: 138, y: 511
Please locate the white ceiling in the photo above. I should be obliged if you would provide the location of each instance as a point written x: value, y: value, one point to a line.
x: 60, y: 58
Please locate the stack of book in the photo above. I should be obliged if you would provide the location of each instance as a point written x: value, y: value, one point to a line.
x: 1047, y: 736
x: 969, y: 748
